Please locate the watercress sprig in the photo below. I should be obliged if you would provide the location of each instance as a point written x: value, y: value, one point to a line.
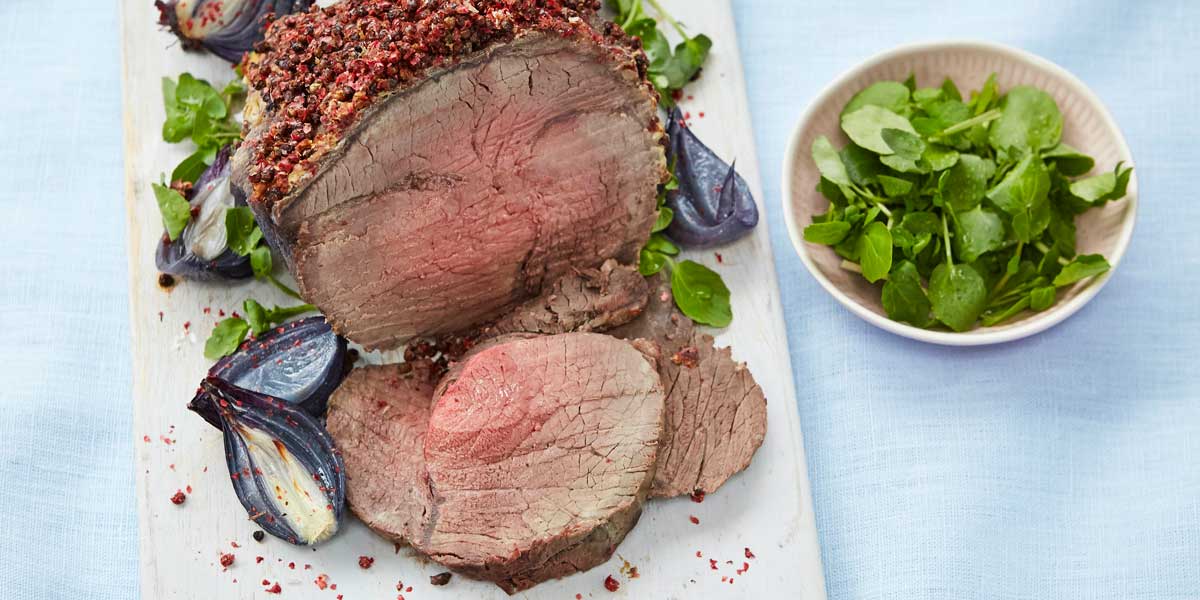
x: 198, y: 111
x: 669, y: 70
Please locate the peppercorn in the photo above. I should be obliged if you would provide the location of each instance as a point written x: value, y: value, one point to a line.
x: 166, y: 281
x: 259, y: 535
x: 226, y: 560
x: 179, y: 497
x: 440, y: 578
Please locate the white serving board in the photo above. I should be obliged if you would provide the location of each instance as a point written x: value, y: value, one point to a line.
x: 767, y: 509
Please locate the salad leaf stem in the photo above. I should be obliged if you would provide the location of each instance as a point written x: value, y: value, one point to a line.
x: 662, y: 12
x: 946, y: 236
x: 982, y: 119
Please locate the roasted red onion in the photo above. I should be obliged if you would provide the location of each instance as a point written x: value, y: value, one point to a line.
x: 300, y: 362
x: 713, y: 204
x: 201, y: 252
x: 283, y: 464
x: 227, y: 28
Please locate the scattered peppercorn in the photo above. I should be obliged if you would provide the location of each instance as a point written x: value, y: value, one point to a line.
x: 749, y: 554
x: 365, y: 562
x: 695, y: 520
x: 259, y: 535
x: 166, y: 281
x: 440, y: 578
x: 179, y: 497
x: 226, y: 560
x: 698, y: 496
x: 611, y: 584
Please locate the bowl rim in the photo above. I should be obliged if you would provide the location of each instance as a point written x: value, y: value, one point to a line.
x: 982, y: 335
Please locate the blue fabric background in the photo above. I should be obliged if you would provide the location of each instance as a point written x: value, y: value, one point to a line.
x: 1063, y: 466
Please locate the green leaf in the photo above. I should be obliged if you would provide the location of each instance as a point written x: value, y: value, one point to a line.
x: 865, y: 127
x: 918, y: 222
x: 261, y: 261
x: 176, y: 212
x: 1016, y: 308
x: 903, y: 297
x: 659, y: 243
x: 225, y: 338
x: 242, y: 233
x: 665, y: 216
x: 1070, y: 161
x: 903, y: 143
x: 939, y: 158
x: 1103, y: 188
x: 1042, y: 298
x: 828, y: 234
x: 1023, y: 194
x: 1082, y: 267
x: 875, y: 251
x: 958, y: 295
x: 861, y: 164
x: 963, y: 186
x: 982, y: 102
x: 194, y: 165
x: 256, y: 316
x: 1030, y: 121
x: 650, y: 263
x: 829, y: 163
x: 894, y: 186
x: 890, y: 95
x: 980, y: 230
x: 950, y: 90
x: 701, y: 294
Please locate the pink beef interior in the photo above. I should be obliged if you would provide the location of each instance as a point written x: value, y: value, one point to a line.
x: 540, y: 454
x: 459, y: 197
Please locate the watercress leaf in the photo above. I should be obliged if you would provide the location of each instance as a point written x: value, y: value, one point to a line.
x: 1082, y: 267
x: 225, y: 338
x: 829, y: 234
x: 279, y: 314
x: 829, y: 162
x: 650, y: 263
x: 660, y: 244
x: 982, y: 102
x: 939, y: 158
x: 894, y: 186
x: 665, y: 216
x: 261, y: 261
x: 832, y: 192
x: 861, y: 164
x: 947, y: 113
x: 904, y: 164
x: 923, y: 97
x: 1070, y: 162
x: 903, y: 143
x: 1023, y: 194
x: 962, y: 186
x: 950, y: 90
x: 875, y: 251
x: 256, y: 316
x: 865, y: 126
x: 890, y: 95
x: 1030, y: 121
x: 178, y: 124
x: 241, y: 232
x: 194, y: 165
x: 980, y: 230
x: 1103, y: 188
x: 701, y: 294
x: 918, y: 222
x: 910, y: 82
x: 903, y: 297
x: 1062, y: 231
x: 1042, y: 298
x: 175, y: 210
x: 957, y: 294
x: 1049, y: 265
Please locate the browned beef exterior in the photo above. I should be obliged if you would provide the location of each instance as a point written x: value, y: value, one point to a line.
x: 540, y: 453
x: 716, y: 415
x: 378, y: 417
x: 459, y: 193
x: 584, y: 300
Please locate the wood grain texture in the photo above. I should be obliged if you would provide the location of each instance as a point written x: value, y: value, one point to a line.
x: 767, y: 509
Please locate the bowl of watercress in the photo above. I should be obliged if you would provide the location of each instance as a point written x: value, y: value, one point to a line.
x: 960, y: 193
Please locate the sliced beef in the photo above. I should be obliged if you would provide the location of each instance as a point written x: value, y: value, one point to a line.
x: 716, y: 414
x: 447, y: 182
x: 584, y: 300
x: 540, y: 453
x: 378, y: 418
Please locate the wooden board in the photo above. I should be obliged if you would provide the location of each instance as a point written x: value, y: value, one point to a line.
x: 767, y: 509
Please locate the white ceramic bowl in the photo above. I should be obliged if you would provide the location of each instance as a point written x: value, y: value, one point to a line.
x: 1087, y: 126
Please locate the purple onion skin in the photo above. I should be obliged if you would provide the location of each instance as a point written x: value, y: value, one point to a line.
x: 236, y: 36
x: 713, y: 204
x: 174, y: 257
x: 297, y: 438
x: 301, y: 363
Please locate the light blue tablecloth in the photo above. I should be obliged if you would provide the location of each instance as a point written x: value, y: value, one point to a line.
x: 1064, y: 466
